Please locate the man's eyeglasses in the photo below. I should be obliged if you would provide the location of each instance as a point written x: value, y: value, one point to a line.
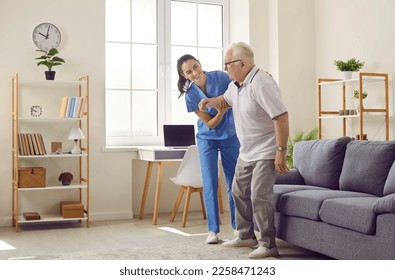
x: 226, y: 64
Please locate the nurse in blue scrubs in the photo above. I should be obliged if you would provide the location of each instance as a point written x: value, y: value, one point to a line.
x: 216, y: 132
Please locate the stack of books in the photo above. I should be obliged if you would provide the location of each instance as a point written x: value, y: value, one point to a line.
x: 72, y: 107
x: 30, y: 144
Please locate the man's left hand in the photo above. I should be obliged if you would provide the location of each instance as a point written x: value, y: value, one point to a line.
x: 280, y: 162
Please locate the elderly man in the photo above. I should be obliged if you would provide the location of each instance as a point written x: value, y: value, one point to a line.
x: 261, y: 120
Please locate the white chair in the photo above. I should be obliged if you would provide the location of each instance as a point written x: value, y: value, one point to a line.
x: 189, y: 178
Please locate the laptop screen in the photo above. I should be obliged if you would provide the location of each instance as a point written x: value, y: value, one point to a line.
x: 179, y: 135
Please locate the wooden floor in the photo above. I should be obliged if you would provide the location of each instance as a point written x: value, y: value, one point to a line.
x: 35, y: 240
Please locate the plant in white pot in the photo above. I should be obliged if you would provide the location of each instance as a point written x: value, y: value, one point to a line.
x: 50, y: 59
x: 349, y: 66
x: 356, y: 96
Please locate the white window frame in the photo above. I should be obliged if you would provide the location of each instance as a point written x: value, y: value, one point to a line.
x: 164, y: 71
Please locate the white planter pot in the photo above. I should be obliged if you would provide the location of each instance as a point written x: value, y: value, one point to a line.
x: 347, y: 75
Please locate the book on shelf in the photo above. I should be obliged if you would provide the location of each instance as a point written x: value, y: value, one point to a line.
x: 72, y: 107
x: 63, y: 107
x: 30, y: 144
x: 30, y: 216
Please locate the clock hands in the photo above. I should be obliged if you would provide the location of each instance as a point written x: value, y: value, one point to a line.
x: 48, y: 30
x: 46, y: 36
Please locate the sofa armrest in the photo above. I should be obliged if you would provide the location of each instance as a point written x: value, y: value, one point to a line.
x: 293, y: 177
x: 385, y: 204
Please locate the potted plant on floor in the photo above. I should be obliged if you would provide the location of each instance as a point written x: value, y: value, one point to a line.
x: 50, y: 59
x: 349, y: 66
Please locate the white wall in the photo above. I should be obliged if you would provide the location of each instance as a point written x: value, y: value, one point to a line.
x: 82, y: 27
x: 356, y: 28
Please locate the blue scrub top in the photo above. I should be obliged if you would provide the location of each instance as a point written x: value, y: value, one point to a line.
x: 216, y: 84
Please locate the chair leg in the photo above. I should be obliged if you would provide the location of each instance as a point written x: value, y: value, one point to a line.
x: 202, y: 203
x: 221, y: 206
x: 177, y: 203
x: 186, y: 206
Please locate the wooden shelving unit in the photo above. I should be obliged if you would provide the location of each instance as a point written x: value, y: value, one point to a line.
x: 359, y: 83
x: 21, y: 122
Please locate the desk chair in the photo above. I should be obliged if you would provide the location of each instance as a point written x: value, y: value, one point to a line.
x: 189, y: 178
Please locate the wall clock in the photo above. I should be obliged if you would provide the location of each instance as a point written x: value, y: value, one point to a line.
x: 46, y: 36
x: 36, y: 111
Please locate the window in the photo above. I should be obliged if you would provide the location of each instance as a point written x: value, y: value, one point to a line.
x: 144, y: 39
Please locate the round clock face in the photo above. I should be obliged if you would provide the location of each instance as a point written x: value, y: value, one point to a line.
x: 46, y: 36
x: 36, y: 111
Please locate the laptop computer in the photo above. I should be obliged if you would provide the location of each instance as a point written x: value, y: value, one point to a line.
x: 179, y: 136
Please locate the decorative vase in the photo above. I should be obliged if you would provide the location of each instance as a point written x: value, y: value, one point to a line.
x: 66, y: 182
x: 50, y: 75
x: 347, y: 75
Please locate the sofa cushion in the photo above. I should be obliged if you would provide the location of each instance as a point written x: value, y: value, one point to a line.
x: 292, y: 177
x: 320, y: 161
x: 307, y: 203
x: 385, y: 204
x: 353, y: 213
x: 366, y: 166
x: 389, y: 186
x: 279, y: 190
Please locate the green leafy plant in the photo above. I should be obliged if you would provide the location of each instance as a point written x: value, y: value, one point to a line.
x: 299, y: 136
x: 356, y: 94
x: 50, y: 59
x: 349, y: 65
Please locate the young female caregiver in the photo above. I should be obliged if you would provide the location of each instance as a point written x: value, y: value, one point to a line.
x: 216, y: 132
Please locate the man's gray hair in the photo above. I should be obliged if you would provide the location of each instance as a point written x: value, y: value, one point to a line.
x: 241, y: 50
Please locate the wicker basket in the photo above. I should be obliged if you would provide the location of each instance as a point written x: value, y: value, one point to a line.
x: 31, y: 177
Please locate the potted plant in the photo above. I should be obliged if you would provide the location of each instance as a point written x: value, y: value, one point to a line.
x: 65, y: 178
x: 50, y: 59
x: 356, y: 94
x: 349, y: 66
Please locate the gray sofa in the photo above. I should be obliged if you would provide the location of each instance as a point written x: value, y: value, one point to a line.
x: 340, y: 199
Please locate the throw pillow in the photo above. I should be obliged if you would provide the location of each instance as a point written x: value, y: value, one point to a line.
x: 320, y: 161
x: 366, y: 166
x: 385, y: 204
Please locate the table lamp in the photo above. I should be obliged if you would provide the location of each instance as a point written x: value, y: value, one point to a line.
x: 76, y: 134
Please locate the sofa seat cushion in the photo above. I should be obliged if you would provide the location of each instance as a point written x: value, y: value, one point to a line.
x: 355, y: 213
x: 366, y: 166
x: 279, y: 190
x: 307, y: 203
x: 320, y: 161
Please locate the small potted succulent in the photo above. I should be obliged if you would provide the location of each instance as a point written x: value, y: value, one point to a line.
x: 50, y: 59
x: 66, y: 178
x: 356, y: 94
x: 349, y: 66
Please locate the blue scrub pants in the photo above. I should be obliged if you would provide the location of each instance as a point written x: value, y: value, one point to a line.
x: 208, y: 154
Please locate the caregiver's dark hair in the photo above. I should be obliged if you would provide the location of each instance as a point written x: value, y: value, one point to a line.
x: 183, y: 83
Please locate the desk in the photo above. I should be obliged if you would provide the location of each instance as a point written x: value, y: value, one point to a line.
x: 160, y: 156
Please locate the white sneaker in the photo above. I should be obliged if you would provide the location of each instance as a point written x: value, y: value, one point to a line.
x: 212, y: 238
x: 263, y: 252
x: 237, y: 242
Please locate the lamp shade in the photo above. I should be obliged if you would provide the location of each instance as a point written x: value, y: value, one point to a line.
x: 76, y: 134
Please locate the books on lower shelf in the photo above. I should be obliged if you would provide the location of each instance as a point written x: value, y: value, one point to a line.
x: 30, y: 144
x: 72, y: 107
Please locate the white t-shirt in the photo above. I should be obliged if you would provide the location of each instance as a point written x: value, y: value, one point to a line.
x: 256, y: 103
